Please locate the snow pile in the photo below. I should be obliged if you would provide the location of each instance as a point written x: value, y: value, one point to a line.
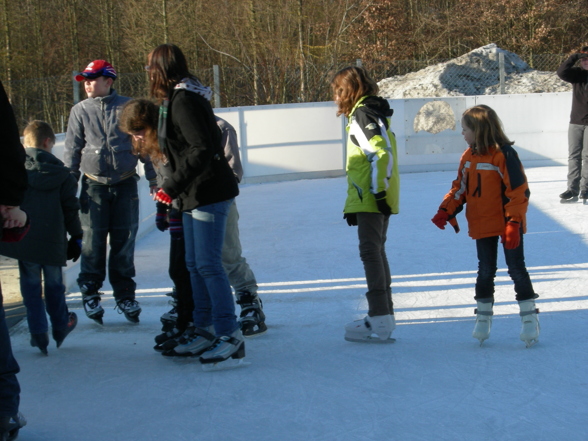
x: 475, y: 73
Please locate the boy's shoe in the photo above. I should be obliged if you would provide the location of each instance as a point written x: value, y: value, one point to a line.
x: 91, y: 300
x: 59, y: 335
x: 40, y: 341
x: 9, y: 426
x: 130, y: 308
x: 252, y: 318
x: 568, y: 196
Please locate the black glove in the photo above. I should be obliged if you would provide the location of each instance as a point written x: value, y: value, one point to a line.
x: 351, y: 219
x: 383, y: 206
x: 74, y: 248
x: 161, y: 217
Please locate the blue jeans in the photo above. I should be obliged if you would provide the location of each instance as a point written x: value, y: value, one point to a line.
x: 31, y: 288
x: 9, y: 387
x: 109, y: 210
x: 204, y: 233
x: 487, y: 249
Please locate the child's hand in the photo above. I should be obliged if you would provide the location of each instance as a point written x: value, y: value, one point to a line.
x: 440, y: 219
x: 13, y: 217
x: 512, y: 236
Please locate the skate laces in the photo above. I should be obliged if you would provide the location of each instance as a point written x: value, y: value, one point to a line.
x: 92, y: 303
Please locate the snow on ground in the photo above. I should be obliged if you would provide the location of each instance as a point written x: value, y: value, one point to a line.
x: 474, y: 73
x: 305, y: 382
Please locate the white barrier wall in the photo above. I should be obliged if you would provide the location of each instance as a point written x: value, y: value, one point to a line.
x: 297, y: 141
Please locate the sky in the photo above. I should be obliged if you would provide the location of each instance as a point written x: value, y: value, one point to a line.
x: 303, y: 381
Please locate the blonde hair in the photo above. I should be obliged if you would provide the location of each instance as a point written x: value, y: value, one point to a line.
x: 349, y: 85
x: 141, y: 114
x: 36, y: 132
x: 487, y: 128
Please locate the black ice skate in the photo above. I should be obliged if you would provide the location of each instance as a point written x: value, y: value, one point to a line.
x: 568, y: 197
x: 9, y: 427
x: 130, y: 308
x: 40, y: 341
x: 91, y: 300
x: 252, y: 318
x: 170, y: 318
x: 59, y: 335
x: 584, y: 197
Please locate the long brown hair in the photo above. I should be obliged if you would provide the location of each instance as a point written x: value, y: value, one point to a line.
x: 167, y: 66
x: 141, y: 114
x: 349, y: 85
x: 487, y: 128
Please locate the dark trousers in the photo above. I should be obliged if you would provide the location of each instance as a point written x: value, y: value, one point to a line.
x: 372, y: 231
x: 487, y: 249
x: 180, y: 276
x: 109, y: 211
x: 9, y: 387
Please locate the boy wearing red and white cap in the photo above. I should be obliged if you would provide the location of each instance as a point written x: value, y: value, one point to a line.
x: 98, y: 152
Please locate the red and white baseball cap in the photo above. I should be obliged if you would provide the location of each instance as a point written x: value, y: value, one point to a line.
x: 97, y: 68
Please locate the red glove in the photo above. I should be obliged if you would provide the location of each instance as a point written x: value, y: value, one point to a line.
x: 512, y: 236
x: 440, y: 219
x: 163, y: 197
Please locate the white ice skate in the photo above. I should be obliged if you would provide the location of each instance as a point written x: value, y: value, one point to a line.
x: 531, y: 327
x: 483, y: 321
x: 377, y: 329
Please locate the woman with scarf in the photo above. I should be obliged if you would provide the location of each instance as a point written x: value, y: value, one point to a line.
x: 203, y: 186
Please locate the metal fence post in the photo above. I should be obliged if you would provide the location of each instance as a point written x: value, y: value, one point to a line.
x: 76, y: 88
x: 501, y: 71
x: 216, y: 75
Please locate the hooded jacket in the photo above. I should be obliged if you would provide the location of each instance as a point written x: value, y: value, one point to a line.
x: 95, y: 146
x: 495, y: 188
x: 578, y: 77
x: 200, y: 174
x: 372, y: 162
x: 52, y: 207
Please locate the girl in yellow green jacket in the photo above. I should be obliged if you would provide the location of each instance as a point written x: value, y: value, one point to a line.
x: 372, y: 194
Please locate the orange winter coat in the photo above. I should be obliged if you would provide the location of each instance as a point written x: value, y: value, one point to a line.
x: 495, y: 188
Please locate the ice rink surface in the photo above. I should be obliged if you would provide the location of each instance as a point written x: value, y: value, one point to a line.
x: 305, y: 382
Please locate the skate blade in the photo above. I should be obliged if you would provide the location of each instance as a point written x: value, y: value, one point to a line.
x: 254, y: 332
x: 97, y: 320
x: 568, y: 201
x: 532, y: 342
x: 370, y: 339
x: 230, y: 363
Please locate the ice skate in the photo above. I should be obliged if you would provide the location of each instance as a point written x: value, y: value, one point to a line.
x: 568, y: 197
x: 40, y: 341
x: 377, y: 329
x: 169, y: 319
x: 59, y: 335
x: 252, y: 318
x: 164, y: 337
x: 226, y: 352
x: 9, y: 427
x: 483, y: 325
x: 530, y: 329
x: 130, y: 308
x: 91, y: 300
x: 584, y: 197
x: 195, y: 342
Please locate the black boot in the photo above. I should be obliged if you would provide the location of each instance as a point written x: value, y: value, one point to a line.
x: 252, y: 318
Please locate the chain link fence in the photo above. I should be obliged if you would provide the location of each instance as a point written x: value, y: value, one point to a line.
x: 51, y: 98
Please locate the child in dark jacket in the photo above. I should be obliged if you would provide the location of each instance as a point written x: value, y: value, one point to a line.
x: 492, y: 181
x: 53, y: 208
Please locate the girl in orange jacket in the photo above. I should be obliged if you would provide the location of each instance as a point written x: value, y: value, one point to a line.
x: 492, y: 181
